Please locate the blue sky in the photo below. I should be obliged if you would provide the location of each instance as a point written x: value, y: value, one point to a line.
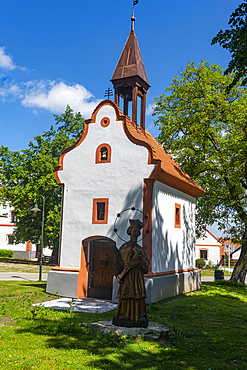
x: 57, y: 52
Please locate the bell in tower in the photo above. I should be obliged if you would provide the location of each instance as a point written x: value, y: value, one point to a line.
x: 130, y: 79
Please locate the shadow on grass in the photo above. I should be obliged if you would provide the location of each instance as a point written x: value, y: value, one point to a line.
x: 38, y: 284
x: 101, y: 351
x: 204, y: 327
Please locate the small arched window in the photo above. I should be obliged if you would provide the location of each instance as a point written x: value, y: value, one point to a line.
x: 103, y: 154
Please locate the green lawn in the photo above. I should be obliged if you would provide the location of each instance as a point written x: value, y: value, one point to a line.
x: 208, y: 330
x: 17, y: 267
x: 208, y: 272
x: 21, y: 265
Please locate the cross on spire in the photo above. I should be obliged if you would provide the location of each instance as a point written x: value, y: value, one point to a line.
x: 108, y: 93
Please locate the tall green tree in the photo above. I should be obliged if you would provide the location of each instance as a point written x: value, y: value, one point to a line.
x: 205, y: 129
x: 26, y: 174
x: 235, y: 40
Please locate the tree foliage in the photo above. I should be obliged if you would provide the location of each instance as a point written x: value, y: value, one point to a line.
x: 205, y: 129
x: 26, y: 174
x: 235, y: 40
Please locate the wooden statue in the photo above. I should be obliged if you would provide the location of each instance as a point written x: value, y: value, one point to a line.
x: 132, y: 265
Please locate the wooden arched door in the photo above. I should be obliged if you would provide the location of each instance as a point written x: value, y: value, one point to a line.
x: 100, y: 269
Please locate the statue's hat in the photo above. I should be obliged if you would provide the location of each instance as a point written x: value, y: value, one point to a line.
x: 135, y: 224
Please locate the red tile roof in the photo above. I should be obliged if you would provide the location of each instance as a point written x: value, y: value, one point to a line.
x: 168, y: 171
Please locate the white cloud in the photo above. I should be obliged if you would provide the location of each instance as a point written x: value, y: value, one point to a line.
x: 6, y: 62
x: 149, y: 109
x: 9, y: 88
x: 55, y: 96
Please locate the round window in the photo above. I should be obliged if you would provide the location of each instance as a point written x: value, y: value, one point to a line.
x: 105, y: 122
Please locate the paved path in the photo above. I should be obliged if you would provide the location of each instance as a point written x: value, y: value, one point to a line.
x: 211, y: 278
x: 34, y: 276
x: 91, y: 305
x: 21, y: 276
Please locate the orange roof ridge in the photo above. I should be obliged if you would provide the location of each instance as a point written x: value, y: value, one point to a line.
x: 166, y: 169
x: 204, y: 227
x: 168, y: 165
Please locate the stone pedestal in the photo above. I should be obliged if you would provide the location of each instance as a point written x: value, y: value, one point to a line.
x: 154, y: 330
x: 130, y: 323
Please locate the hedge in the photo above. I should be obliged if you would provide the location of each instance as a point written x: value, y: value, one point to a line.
x: 200, y: 263
x: 6, y: 253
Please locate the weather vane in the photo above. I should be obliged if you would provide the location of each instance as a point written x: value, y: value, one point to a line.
x: 133, y: 15
x: 108, y: 93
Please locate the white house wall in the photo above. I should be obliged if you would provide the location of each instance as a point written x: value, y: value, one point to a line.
x: 85, y: 180
x: 213, y: 253
x: 7, y: 228
x: 173, y: 248
x: 211, y: 244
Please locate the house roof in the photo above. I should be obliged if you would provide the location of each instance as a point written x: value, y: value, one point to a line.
x: 130, y: 62
x: 166, y: 169
x: 236, y: 250
x: 209, y: 232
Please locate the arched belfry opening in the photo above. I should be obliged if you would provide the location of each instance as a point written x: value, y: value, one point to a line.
x: 130, y: 79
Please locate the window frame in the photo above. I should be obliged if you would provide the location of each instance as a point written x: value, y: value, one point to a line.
x: 98, y: 153
x: 177, y: 222
x: 13, y: 218
x: 95, y: 211
x: 203, y: 250
x: 7, y: 237
x: 105, y: 122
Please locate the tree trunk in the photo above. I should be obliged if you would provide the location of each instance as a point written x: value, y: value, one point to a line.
x: 240, y: 270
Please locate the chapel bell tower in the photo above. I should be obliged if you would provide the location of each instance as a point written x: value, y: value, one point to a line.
x: 130, y: 79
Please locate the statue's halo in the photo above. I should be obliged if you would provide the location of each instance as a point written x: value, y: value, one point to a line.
x: 145, y: 221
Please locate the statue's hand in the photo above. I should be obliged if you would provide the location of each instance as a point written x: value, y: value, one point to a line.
x: 119, y: 279
x: 135, y: 262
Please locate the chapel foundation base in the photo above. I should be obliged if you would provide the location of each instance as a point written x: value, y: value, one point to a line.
x: 166, y: 286
x: 62, y: 283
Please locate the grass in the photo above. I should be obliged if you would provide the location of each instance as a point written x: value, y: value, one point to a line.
x: 19, y: 267
x: 210, y: 272
x: 208, y: 330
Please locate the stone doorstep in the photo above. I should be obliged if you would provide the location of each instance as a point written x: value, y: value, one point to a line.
x: 154, y: 330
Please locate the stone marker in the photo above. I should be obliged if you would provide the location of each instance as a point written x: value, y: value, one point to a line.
x: 154, y: 330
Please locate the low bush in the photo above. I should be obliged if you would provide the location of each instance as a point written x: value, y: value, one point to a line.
x: 6, y: 253
x: 200, y: 263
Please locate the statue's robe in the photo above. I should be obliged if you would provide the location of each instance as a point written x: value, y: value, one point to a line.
x: 132, y: 291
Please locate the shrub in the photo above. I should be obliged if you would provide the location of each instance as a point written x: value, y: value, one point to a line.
x: 6, y: 253
x: 200, y: 263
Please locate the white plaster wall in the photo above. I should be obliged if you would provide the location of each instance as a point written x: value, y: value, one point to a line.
x: 121, y: 181
x: 209, y: 242
x: 7, y: 228
x: 173, y: 248
x: 213, y: 252
x: 207, y: 239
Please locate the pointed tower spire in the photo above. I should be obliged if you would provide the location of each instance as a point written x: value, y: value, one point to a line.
x: 133, y: 20
x: 130, y: 78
